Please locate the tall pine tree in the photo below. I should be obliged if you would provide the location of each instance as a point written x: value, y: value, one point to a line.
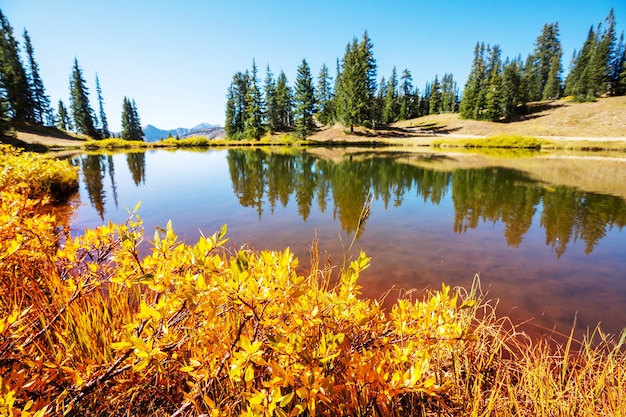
x: 473, y: 102
x: 42, y: 112
x: 63, y: 120
x: 435, y: 103
x: 392, y: 109
x: 271, y: 115
x: 13, y: 76
x: 324, y: 97
x: 104, y: 124
x: 284, y: 103
x: 304, y: 101
x: 5, y: 120
x: 236, y: 105
x: 356, y: 85
x: 254, y: 106
x: 131, y: 123
x: 82, y: 114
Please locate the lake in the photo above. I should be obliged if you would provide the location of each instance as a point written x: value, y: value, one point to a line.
x: 545, y: 234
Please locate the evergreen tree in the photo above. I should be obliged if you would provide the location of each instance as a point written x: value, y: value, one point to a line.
x: 236, y: 105
x: 271, y: 114
x: 356, y: 87
x: 380, y: 101
x: 435, y: 97
x: 13, y: 76
x: 131, y: 123
x: 621, y: 84
x: 617, y: 65
x: 82, y: 114
x: 324, y: 97
x: 552, y: 89
x: 63, y: 121
x: 407, y: 99
x: 254, y: 106
x: 5, y: 121
x: 449, y: 94
x: 304, y: 101
x: 512, y: 90
x: 42, y: 112
x: 578, y: 81
x: 283, y: 103
x: 544, y: 61
x: 473, y: 102
x: 392, y: 110
x: 604, y: 55
x: 424, y: 104
x: 367, y: 52
x: 104, y: 125
x: 494, y: 109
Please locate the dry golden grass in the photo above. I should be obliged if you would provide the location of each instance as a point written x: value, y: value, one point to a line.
x: 604, y: 118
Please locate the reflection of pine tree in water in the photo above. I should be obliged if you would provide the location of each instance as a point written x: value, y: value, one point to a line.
x: 112, y: 178
x: 93, y: 172
x: 486, y: 194
x: 137, y: 165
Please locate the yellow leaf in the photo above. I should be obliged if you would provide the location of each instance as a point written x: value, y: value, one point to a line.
x: 120, y: 345
x: 141, y: 365
x: 285, y: 399
x: 249, y: 375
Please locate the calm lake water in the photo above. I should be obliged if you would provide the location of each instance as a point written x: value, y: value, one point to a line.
x: 547, y: 251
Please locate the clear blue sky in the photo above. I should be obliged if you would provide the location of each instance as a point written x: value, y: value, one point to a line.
x: 177, y: 58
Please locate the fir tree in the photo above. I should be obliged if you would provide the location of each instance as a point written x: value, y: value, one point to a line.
x: 304, y: 101
x: 512, y: 90
x: 494, y: 98
x: 236, y: 105
x: 355, y: 93
x: 82, y: 114
x: 392, y: 110
x: 254, y: 106
x: 552, y: 89
x: 578, y: 81
x: 604, y: 56
x: 63, y: 120
x: 367, y: 52
x: 380, y: 101
x: 271, y: 114
x: 283, y: 103
x: 5, y: 121
x: 449, y: 94
x: 543, y: 62
x: 104, y: 125
x: 13, y: 76
x: 617, y: 65
x: 324, y: 97
x: 473, y: 101
x: 407, y: 99
x: 435, y: 97
x: 42, y: 112
x: 131, y: 123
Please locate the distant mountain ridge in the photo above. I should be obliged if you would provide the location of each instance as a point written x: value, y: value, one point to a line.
x: 153, y: 133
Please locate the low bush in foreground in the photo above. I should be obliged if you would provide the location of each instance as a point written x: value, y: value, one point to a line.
x: 36, y: 175
x: 88, y: 327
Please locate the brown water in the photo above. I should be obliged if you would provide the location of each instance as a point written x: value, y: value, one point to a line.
x: 548, y: 252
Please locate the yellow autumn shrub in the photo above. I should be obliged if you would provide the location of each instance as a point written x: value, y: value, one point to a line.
x: 90, y: 327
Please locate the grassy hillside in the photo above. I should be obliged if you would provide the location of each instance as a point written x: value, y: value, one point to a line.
x: 604, y: 118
